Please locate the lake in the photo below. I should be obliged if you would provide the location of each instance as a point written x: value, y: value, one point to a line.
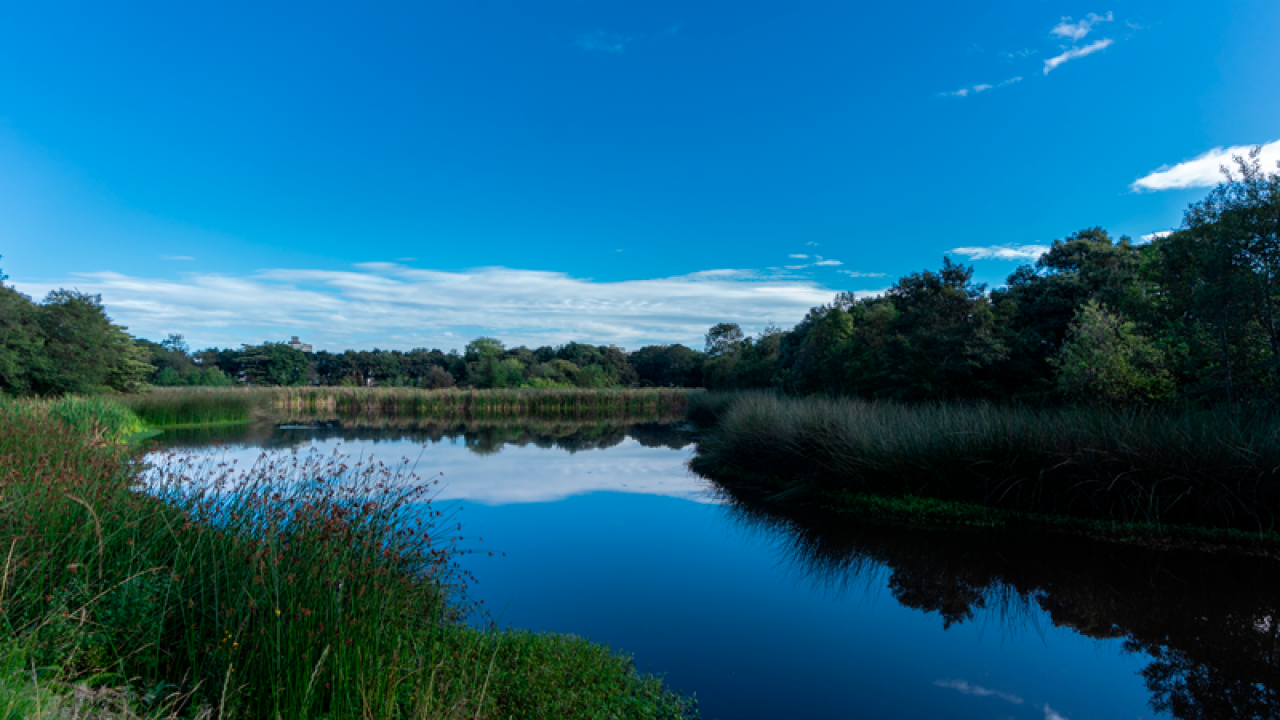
x: 601, y: 531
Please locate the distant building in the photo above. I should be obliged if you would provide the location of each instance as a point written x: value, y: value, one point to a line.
x: 297, y: 344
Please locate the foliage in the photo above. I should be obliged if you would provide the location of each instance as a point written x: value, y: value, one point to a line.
x: 1105, y: 360
x: 274, y: 364
x: 66, y: 344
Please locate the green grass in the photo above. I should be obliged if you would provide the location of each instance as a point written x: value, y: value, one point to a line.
x: 186, y: 406
x: 305, y: 586
x: 1203, y: 469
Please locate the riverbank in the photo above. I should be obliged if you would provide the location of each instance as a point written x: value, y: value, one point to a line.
x: 1204, y: 476
x: 259, y: 595
x: 202, y: 406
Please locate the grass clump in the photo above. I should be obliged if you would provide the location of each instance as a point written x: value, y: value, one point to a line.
x: 304, y: 586
x: 1200, y: 468
x: 99, y: 417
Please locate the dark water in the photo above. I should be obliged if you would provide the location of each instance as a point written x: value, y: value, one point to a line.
x: 770, y: 615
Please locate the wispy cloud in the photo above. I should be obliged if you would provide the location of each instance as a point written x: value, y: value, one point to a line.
x: 176, y: 257
x: 394, y: 306
x: 975, y: 89
x: 1002, y: 252
x: 601, y: 41
x: 978, y: 691
x: 1156, y: 235
x: 1078, y: 30
x: 1051, y: 714
x: 856, y: 274
x: 1203, y: 170
x: 1074, y: 53
x: 828, y: 262
x: 798, y: 257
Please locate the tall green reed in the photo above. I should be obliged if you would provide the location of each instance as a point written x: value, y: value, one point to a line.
x: 168, y: 407
x: 1195, y: 467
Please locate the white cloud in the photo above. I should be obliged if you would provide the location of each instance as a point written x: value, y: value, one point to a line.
x: 1204, y: 170
x: 974, y: 90
x: 1074, y: 53
x: 978, y: 691
x: 1156, y: 235
x: 1051, y: 714
x: 828, y: 262
x: 176, y: 257
x: 798, y: 257
x: 601, y: 41
x: 1002, y: 252
x: 394, y: 306
x: 852, y: 273
x: 1077, y: 31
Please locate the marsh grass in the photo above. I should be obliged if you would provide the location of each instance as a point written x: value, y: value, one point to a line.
x: 478, y: 404
x: 164, y: 407
x: 303, y: 586
x: 1199, y: 468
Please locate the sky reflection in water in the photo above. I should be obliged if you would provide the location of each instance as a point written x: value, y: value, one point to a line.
x: 605, y: 534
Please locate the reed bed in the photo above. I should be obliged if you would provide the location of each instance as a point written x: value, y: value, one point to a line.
x: 303, y: 586
x: 188, y: 406
x: 413, y: 403
x: 1201, y: 468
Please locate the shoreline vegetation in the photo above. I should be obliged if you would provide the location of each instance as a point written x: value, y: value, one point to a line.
x: 1199, y: 478
x: 167, y: 408
x: 183, y: 590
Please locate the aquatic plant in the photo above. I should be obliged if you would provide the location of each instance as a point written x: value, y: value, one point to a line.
x: 191, y: 406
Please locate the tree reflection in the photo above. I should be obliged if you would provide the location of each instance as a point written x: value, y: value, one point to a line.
x: 480, y: 437
x: 1207, y: 623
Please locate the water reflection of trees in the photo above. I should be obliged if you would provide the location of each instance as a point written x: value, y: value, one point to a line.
x: 1208, y: 623
x: 481, y: 438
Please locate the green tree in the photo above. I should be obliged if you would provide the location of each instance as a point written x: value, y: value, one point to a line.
x: 274, y: 364
x: 84, y: 351
x: 1105, y: 360
x: 22, y: 356
x: 724, y: 338
x: 1218, y: 282
x: 944, y: 339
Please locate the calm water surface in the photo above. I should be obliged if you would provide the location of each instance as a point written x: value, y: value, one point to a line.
x: 601, y: 531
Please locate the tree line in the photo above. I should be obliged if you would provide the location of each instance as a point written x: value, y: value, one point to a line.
x: 1193, y: 316
x: 1190, y: 317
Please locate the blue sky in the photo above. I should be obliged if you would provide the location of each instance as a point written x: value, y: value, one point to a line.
x: 611, y: 171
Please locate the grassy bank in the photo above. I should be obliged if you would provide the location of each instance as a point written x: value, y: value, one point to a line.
x: 304, y: 587
x: 1203, y: 469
